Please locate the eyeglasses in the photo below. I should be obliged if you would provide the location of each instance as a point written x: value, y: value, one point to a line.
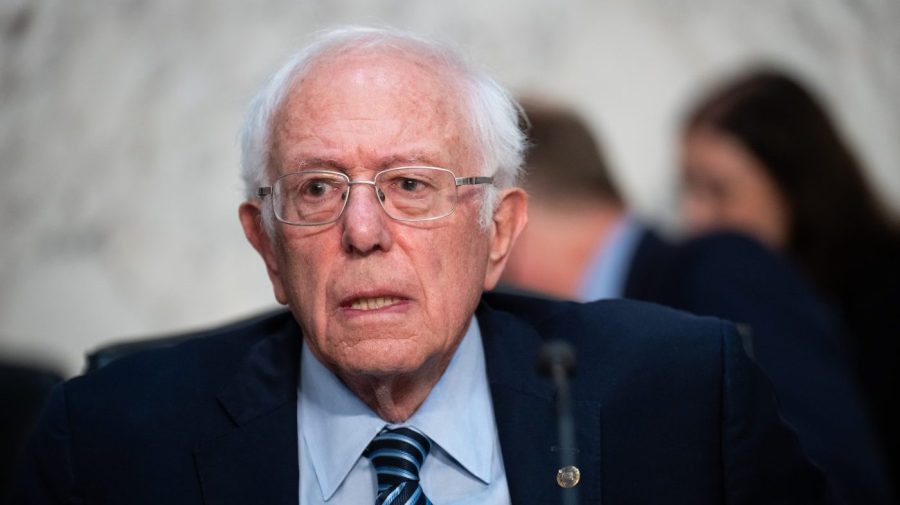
x: 318, y: 197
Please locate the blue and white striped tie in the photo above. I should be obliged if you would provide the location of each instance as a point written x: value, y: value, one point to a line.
x: 397, y: 456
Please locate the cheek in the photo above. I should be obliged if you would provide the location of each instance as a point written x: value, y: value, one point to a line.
x: 453, y: 270
x: 305, y: 269
x: 703, y: 203
x: 748, y: 198
x: 762, y: 213
x: 697, y: 208
x: 470, y: 279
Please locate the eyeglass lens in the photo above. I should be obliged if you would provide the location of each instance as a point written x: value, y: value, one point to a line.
x: 407, y: 194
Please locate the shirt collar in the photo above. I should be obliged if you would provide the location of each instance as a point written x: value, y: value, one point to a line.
x: 446, y: 415
x: 337, y: 426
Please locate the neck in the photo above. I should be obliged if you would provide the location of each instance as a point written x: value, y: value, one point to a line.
x: 396, y: 397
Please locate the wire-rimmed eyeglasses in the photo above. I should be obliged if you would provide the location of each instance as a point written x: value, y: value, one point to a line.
x: 318, y: 197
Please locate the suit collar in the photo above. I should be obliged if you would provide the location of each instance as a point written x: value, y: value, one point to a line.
x: 256, y: 461
x: 524, y: 404
x: 268, y: 376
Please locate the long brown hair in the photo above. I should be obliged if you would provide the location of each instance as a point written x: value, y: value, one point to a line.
x: 835, y: 221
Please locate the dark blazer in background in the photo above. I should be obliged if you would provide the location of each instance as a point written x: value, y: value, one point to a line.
x: 668, y: 409
x: 795, y: 340
x: 870, y: 308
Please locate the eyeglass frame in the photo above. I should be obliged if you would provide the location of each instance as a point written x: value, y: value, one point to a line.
x: 264, y: 191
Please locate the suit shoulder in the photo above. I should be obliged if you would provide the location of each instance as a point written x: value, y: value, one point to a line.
x: 661, y: 353
x: 642, y: 325
x: 199, y: 359
x: 616, y: 319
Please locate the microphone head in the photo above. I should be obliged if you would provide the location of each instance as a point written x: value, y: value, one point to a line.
x: 556, y: 353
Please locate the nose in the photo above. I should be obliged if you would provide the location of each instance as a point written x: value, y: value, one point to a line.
x: 364, y: 222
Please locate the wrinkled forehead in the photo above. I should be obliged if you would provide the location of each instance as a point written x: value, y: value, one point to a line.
x: 405, y: 95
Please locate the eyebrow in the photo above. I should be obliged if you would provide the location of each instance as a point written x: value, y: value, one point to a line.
x: 319, y: 163
x: 415, y: 158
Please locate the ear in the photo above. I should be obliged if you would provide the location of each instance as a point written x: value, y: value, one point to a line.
x: 255, y: 231
x: 509, y: 221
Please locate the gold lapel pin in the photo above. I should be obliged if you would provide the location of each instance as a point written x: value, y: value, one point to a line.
x: 568, y: 476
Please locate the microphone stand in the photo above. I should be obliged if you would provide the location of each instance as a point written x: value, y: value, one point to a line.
x: 557, y: 359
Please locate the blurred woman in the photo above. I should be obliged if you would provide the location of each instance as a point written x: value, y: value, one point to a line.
x: 761, y: 155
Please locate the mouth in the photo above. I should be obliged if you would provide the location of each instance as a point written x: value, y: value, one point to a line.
x: 372, y: 302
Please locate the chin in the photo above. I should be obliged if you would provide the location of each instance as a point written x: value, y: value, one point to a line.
x: 384, y: 358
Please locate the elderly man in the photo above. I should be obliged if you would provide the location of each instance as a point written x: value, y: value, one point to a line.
x: 381, y: 177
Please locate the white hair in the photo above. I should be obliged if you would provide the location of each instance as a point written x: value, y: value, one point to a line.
x: 491, y: 112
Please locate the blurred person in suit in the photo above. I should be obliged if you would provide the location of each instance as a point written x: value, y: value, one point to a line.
x: 582, y: 243
x: 761, y: 154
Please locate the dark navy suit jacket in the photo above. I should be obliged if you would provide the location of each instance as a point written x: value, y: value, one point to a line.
x: 668, y: 409
x: 795, y: 340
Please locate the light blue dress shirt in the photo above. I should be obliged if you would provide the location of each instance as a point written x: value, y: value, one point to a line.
x: 608, y: 270
x: 334, y: 427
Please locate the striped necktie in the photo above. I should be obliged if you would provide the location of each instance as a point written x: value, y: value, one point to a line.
x: 397, y: 456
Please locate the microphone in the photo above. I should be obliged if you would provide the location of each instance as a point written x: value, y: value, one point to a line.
x: 557, y: 360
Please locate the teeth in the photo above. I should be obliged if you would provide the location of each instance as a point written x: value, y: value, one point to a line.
x: 373, y: 303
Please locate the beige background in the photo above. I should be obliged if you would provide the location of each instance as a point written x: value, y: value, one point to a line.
x: 117, y: 133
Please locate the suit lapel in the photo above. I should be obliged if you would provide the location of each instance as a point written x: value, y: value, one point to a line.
x: 256, y: 461
x: 525, y: 413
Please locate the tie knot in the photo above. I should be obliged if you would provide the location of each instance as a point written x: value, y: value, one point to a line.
x: 397, y: 456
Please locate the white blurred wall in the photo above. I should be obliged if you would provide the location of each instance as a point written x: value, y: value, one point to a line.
x: 119, y: 166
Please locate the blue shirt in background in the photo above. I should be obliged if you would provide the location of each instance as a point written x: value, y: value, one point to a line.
x: 606, y: 275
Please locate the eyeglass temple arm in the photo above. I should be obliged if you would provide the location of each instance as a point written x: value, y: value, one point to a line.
x: 263, y: 191
x: 467, y: 181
